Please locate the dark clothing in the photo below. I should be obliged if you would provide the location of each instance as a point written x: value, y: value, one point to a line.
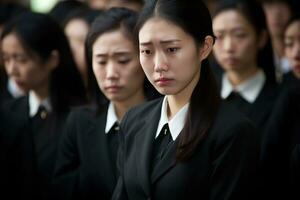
x: 86, y: 164
x: 283, y: 131
x: 223, y: 165
x: 36, y: 149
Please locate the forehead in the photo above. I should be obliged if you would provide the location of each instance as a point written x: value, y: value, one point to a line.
x: 159, y: 28
x: 113, y: 41
x: 12, y: 42
x: 293, y: 28
x: 230, y: 19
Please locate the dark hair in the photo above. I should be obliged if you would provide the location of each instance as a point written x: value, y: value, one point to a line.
x: 40, y: 35
x: 254, y: 14
x: 62, y: 9
x: 112, y: 19
x: 194, y: 18
x: 9, y: 11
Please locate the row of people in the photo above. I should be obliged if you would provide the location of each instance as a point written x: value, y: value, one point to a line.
x: 189, y: 142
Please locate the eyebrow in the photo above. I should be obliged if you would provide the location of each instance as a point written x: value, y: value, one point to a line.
x: 121, y: 53
x: 161, y: 42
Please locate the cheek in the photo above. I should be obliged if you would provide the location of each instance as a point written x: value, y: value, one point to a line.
x: 99, y: 74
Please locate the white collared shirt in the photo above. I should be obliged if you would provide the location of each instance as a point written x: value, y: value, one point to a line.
x: 111, y: 117
x: 249, y: 90
x: 34, y: 104
x: 176, y: 124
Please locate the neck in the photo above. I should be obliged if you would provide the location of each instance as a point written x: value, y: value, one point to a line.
x: 278, y: 46
x: 41, y: 93
x: 238, y: 77
x: 121, y: 107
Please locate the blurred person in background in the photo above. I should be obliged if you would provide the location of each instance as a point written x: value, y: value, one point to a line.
x: 8, y: 88
x: 76, y: 27
x: 243, y: 51
x: 42, y: 64
x: 278, y: 13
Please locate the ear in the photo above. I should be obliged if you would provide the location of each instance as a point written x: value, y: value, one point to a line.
x: 206, y: 47
x: 53, y: 60
x: 262, y: 39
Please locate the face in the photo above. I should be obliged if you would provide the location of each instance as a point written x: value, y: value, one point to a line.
x: 292, y: 46
x: 29, y: 73
x: 169, y: 56
x: 277, y: 14
x: 76, y: 31
x: 236, y: 44
x: 116, y: 66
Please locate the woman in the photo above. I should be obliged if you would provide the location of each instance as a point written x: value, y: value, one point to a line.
x: 42, y: 64
x: 76, y: 27
x: 184, y: 146
x: 282, y: 140
x: 240, y: 48
x: 86, y: 164
x: 292, y: 50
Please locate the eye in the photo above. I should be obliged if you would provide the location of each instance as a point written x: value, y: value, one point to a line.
x: 240, y: 35
x: 172, y: 49
x: 21, y: 59
x: 102, y: 62
x: 146, y: 52
x: 125, y: 61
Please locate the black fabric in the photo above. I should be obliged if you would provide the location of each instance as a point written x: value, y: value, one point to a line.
x: 236, y: 99
x: 113, y: 141
x: 161, y: 144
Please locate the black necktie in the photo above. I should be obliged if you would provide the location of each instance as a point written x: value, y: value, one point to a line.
x: 161, y: 144
x: 113, y: 140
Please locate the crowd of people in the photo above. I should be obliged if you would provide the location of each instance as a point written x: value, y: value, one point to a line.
x: 154, y: 99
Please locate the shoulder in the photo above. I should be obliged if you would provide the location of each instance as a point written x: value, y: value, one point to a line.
x: 86, y: 112
x: 229, y: 122
x: 16, y: 104
x: 143, y: 111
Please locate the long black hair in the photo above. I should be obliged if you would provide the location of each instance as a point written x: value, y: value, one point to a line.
x: 254, y: 14
x: 194, y: 18
x: 40, y: 35
x: 112, y: 19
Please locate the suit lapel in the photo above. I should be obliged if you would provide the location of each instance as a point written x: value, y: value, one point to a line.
x: 99, y: 144
x: 143, y: 146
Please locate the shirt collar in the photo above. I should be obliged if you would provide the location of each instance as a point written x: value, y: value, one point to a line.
x: 111, y: 118
x: 34, y: 104
x: 176, y: 124
x: 249, y: 90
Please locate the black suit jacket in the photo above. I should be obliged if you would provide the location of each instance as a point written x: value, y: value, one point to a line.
x: 85, y: 168
x: 11, y: 129
x: 282, y: 133
x: 222, y: 167
x: 36, y: 155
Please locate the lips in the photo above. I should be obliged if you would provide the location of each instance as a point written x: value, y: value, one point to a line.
x: 113, y: 88
x: 230, y: 61
x: 163, y: 81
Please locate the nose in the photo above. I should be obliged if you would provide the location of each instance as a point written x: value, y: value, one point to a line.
x: 296, y: 50
x: 112, y: 71
x: 228, y: 44
x: 11, y: 67
x: 161, y: 62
